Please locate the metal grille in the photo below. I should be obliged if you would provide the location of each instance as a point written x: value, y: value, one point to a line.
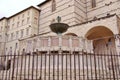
x: 50, y: 66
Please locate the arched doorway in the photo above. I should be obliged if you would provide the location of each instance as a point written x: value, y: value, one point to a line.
x: 103, y: 40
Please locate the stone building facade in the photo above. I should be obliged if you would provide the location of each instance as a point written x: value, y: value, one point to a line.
x: 3, y: 25
x: 89, y: 19
x: 75, y: 11
x: 21, y: 25
x: 94, y: 27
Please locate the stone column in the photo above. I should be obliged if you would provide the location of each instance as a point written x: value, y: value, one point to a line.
x: 49, y: 43
x: 81, y: 44
x: 90, y: 46
x: 84, y: 45
x: 60, y: 43
x: 117, y: 44
x: 70, y: 42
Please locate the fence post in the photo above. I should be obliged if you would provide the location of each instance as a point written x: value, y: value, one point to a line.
x: 95, y: 66
x: 112, y: 65
x: 13, y: 67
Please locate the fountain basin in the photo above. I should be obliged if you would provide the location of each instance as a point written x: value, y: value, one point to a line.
x: 59, y: 28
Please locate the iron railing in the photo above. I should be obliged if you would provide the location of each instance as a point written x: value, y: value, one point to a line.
x: 75, y: 66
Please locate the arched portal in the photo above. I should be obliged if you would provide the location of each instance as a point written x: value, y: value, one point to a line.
x: 103, y: 40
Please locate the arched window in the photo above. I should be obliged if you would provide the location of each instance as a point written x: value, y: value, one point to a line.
x: 53, y: 5
x: 93, y: 3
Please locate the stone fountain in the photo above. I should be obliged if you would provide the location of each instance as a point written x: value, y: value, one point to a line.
x: 58, y: 27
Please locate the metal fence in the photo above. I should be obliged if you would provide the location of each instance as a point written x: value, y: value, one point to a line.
x: 76, y: 66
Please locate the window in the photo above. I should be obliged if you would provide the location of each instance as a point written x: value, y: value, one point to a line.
x: 0, y: 36
x: 17, y: 34
x: 22, y: 33
x: 16, y: 45
x: 18, y: 17
x: 93, y: 3
x: 23, y: 16
x: 28, y: 20
x: 27, y: 31
x: 1, y: 28
x: 11, y: 36
x: 7, y: 37
x: 36, y: 13
x: 35, y: 20
x: 8, y: 27
x: 8, y: 22
x: 12, y: 25
x: 18, y: 24
x: 22, y: 22
x: 53, y: 5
